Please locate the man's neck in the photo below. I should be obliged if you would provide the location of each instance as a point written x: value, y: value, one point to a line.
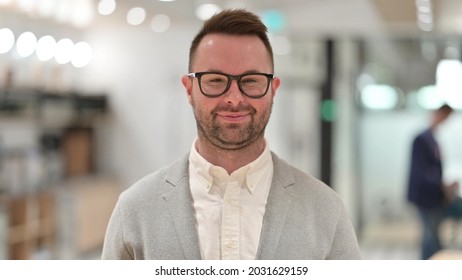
x: 230, y: 160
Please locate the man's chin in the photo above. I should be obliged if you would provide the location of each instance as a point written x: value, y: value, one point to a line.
x: 231, y: 143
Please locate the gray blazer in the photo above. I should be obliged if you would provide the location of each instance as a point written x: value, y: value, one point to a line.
x: 304, y: 219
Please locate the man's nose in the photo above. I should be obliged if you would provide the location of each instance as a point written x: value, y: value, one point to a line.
x: 234, y: 94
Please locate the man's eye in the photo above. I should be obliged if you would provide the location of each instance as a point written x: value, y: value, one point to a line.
x: 251, y: 81
x: 217, y: 80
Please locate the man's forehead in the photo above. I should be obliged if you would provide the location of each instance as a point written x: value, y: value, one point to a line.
x: 242, y: 51
x: 214, y: 39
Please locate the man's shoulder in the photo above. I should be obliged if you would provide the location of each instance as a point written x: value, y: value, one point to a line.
x: 309, y: 194
x: 301, y: 180
x: 424, y: 135
x: 158, y: 182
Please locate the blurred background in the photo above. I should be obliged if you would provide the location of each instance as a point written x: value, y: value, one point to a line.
x: 91, y: 100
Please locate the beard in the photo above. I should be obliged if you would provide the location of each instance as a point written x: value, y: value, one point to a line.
x: 231, y: 136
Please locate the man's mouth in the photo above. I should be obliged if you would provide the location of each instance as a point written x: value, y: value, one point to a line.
x: 234, y: 117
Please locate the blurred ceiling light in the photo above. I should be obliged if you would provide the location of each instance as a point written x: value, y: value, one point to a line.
x: 281, y: 45
x: 82, y: 54
x: 82, y: 13
x: 6, y: 39
x: 46, y: 48
x: 427, y: 97
x: 26, y: 44
x: 448, y: 71
x: 425, y: 18
x: 160, y: 23
x: 364, y: 79
x: 106, y: 7
x: 274, y: 20
x: 205, y: 11
x: 424, y: 12
x: 449, y: 83
x: 424, y: 9
x: 64, y: 49
x: 136, y: 16
x: 166, y: 0
x: 423, y: 4
x: 452, y: 52
x: 379, y: 97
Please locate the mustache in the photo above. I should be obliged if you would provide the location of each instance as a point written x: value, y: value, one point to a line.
x: 234, y: 109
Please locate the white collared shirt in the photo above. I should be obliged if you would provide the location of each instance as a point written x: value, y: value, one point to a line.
x: 229, y: 209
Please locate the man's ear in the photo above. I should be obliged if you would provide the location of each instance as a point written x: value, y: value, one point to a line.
x: 275, y: 83
x: 188, y: 84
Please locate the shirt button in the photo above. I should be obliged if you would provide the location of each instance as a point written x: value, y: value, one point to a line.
x: 229, y: 245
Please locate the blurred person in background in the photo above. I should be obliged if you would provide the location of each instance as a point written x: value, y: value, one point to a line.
x: 230, y: 197
x: 426, y: 187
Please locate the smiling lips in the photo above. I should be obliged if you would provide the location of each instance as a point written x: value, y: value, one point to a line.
x: 234, y: 117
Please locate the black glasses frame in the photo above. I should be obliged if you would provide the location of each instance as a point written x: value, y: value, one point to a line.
x: 238, y: 78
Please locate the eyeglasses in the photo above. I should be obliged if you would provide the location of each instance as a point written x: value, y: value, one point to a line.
x: 213, y: 84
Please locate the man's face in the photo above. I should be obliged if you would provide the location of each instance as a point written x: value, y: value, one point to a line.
x: 440, y: 117
x: 231, y: 121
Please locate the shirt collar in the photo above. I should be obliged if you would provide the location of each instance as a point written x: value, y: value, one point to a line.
x: 251, y: 172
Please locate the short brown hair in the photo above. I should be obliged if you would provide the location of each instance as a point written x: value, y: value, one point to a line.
x: 446, y: 109
x: 232, y: 22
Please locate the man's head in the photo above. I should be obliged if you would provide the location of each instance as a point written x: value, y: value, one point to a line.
x: 440, y: 115
x: 231, y: 84
x: 232, y: 22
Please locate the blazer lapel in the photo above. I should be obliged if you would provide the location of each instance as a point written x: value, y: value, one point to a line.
x: 180, y: 205
x: 277, y: 208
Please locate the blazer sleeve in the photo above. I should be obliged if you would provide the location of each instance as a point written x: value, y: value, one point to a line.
x: 427, y: 165
x: 425, y: 180
x: 344, y: 245
x: 114, y: 247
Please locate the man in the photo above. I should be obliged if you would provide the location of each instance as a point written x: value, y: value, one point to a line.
x: 230, y: 198
x: 426, y: 188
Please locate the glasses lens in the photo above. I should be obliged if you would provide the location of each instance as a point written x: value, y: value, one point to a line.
x: 213, y: 84
x: 254, y: 85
